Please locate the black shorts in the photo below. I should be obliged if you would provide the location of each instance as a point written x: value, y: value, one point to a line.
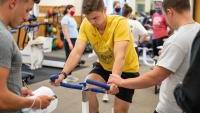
x: 124, y: 93
x: 155, y: 111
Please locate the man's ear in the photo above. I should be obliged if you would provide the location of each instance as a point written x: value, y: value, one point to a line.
x: 171, y: 11
x: 12, y: 3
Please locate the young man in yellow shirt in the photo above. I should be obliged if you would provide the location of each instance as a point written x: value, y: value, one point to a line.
x: 174, y: 59
x: 112, y: 41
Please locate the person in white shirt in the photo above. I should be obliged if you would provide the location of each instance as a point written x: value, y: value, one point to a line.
x: 174, y: 60
x: 139, y: 32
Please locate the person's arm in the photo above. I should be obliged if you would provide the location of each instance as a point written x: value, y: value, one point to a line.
x: 121, y: 40
x: 142, y: 32
x: 119, y: 56
x: 169, y: 62
x: 66, y: 35
x: 148, y: 79
x: 154, y: 77
x: 11, y: 102
x: 73, y: 59
x: 8, y: 104
x: 143, y: 38
x: 75, y: 54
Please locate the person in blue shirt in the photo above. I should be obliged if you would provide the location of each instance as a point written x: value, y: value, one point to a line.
x: 69, y: 29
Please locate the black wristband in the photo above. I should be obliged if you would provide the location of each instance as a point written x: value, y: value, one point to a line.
x: 63, y: 73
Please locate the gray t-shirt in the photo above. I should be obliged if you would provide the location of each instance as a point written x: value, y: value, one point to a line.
x: 10, y: 58
x: 175, y: 57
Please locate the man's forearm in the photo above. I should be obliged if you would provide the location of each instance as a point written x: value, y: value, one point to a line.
x: 119, y: 55
x: 72, y: 61
x: 12, y: 102
x: 118, y: 65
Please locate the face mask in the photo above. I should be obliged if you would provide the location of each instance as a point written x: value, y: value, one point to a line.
x: 117, y: 9
x: 72, y: 13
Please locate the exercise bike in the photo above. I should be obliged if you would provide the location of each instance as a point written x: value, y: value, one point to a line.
x: 32, y: 52
x: 83, y: 87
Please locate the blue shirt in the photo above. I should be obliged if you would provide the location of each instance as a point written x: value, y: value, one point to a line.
x: 71, y: 25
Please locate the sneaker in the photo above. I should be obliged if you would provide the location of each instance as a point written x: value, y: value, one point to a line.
x: 105, y: 98
x: 71, y: 78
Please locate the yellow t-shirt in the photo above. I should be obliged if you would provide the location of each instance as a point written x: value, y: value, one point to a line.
x: 117, y: 29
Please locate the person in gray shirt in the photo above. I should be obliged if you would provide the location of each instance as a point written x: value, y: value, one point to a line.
x: 12, y: 94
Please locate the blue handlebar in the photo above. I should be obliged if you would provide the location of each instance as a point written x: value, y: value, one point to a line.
x: 97, y: 90
x: 81, y: 86
x: 53, y: 77
x: 73, y: 86
x: 99, y: 84
x: 67, y: 85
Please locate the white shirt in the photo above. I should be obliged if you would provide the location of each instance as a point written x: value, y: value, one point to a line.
x: 137, y: 29
x: 175, y: 57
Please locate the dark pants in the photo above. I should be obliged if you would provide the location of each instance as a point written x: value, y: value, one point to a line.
x: 66, y: 46
x: 155, y: 111
x: 157, y: 43
x: 67, y: 49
